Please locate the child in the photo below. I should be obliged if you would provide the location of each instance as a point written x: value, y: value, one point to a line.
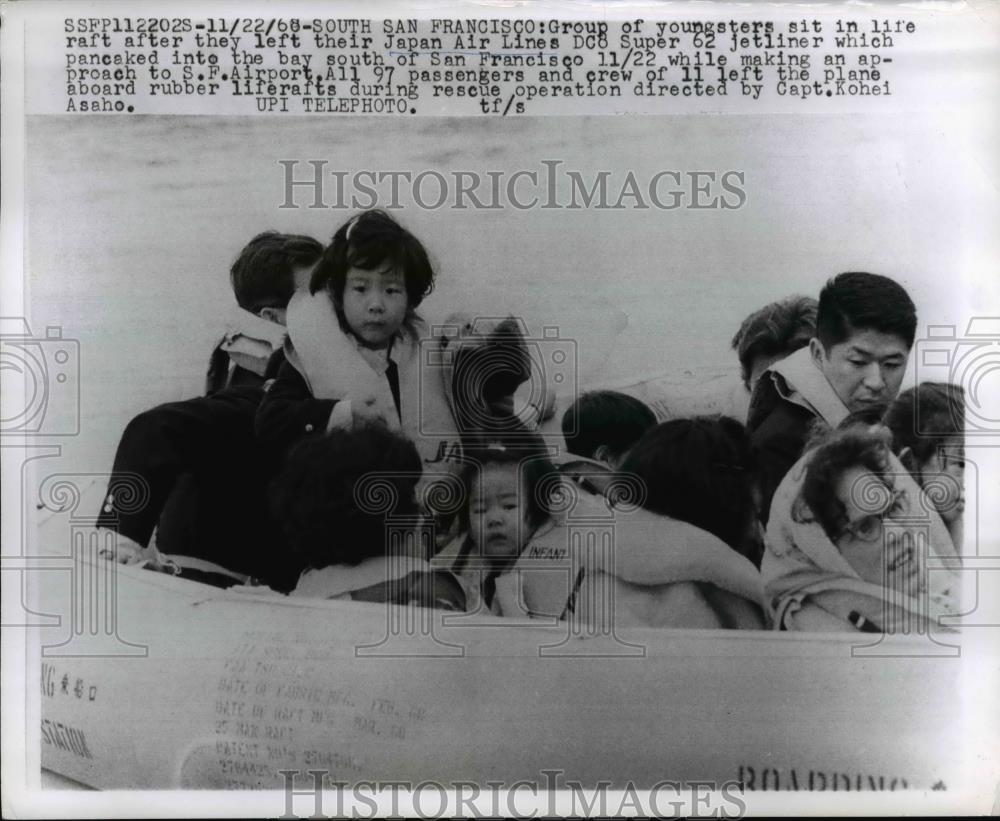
x: 927, y: 424
x: 505, y: 505
x: 198, y: 461
x: 268, y: 271
x: 700, y: 471
x: 337, y: 499
x: 358, y: 352
x: 353, y: 344
x: 843, y: 548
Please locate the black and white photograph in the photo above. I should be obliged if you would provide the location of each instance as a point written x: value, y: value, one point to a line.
x: 582, y: 457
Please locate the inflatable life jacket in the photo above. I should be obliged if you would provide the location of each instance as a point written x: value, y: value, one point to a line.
x: 244, y: 354
x: 456, y: 380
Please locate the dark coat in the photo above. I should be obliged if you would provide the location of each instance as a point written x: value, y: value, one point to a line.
x: 289, y: 411
x: 778, y: 432
x: 206, y: 480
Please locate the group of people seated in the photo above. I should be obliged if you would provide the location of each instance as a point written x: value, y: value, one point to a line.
x: 345, y: 450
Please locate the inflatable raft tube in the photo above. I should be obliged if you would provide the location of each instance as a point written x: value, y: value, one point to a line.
x: 179, y: 685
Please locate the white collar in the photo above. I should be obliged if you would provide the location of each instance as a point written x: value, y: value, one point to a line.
x: 806, y: 385
x: 247, y: 324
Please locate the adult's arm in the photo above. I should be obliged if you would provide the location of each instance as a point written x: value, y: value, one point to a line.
x: 777, y: 444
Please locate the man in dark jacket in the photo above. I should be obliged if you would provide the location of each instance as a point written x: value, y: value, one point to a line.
x: 194, y: 466
x: 855, y: 363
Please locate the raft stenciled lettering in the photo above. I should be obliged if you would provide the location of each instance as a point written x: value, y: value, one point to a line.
x: 813, y: 780
x: 64, y: 737
x: 80, y: 687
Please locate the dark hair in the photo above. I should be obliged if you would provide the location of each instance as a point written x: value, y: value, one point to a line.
x: 777, y: 329
x: 700, y: 471
x: 857, y: 301
x: 614, y: 420
x: 865, y: 448
x: 486, y: 373
x: 530, y: 456
x: 819, y: 430
x: 330, y: 509
x: 921, y: 417
x: 263, y: 275
x: 373, y: 241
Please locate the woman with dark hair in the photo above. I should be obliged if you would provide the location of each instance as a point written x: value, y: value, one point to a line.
x: 928, y: 436
x: 700, y: 471
x: 848, y: 541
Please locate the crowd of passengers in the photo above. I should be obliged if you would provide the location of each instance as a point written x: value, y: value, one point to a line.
x: 343, y: 450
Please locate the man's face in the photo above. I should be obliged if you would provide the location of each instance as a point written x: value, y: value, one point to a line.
x: 865, y: 370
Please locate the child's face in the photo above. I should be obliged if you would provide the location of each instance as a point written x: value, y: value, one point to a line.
x: 498, y: 521
x: 869, y: 503
x: 946, y: 471
x: 375, y: 304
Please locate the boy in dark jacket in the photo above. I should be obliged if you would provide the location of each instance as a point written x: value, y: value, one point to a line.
x: 194, y: 465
